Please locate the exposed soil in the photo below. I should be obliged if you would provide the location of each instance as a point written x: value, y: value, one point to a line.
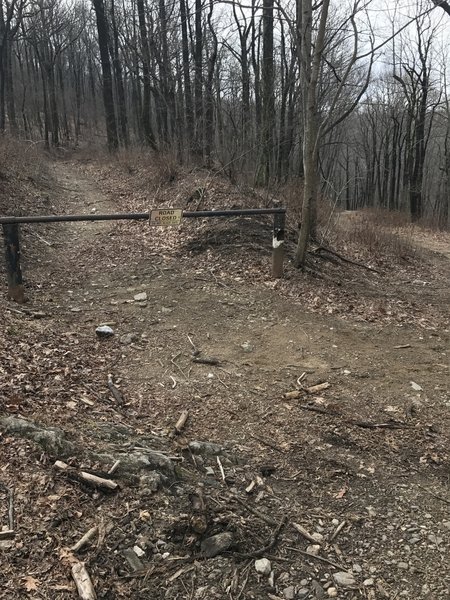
x: 363, y: 464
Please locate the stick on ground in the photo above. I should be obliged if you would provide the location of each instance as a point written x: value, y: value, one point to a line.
x: 83, y: 582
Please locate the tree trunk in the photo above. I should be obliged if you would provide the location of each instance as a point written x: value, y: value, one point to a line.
x: 107, y: 83
x: 186, y: 74
x: 311, y: 63
x: 268, y: 92
x: 146, y: 119
x: 198, y: 82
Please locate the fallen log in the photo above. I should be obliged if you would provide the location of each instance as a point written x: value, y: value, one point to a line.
x: 106, y: 485
x: 83, y: 582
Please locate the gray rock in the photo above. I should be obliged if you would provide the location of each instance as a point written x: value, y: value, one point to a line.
x: 314, y: 549
x: 104, y: 331
x: 403, y: 565
x: 344, y: 579
x: 150, y: 482
x: 166, y: 311
x: 216, y: 544
x: 332, y: 592
x: 132, y: 559
x: 289, y: 592
x: 319, y: 592
x: 205, y: 448
x: 434, y: 539
x: 128, y: 338
x: 263, y: 566
x: 142, y: 297
x: 303, y: 593
x: 368, y: 582
x: 247, y: 347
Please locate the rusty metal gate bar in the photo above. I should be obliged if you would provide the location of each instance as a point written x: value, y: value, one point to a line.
x: 10, y: 227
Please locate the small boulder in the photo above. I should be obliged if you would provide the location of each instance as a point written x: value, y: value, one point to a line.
x: 104, y: 331
x: 142, y: 297
x: 263, y: 566
x: 344, y: 579
x: 216, y: 544
x: 289, y: 593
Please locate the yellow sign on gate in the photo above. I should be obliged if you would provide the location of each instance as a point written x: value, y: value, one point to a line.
x: 166, y: 216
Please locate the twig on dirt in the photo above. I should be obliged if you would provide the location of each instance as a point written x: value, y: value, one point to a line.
x: 317, y: 557
x: 114, y: 468
x: 7, y: 534
x: 179, y: 425
x: 93, y: 392
x: 402, y: 346
x: 302, y: 531
x: 245, y: 580
x: 441, y: 498
x: 173, y: 359
x: 214, y: 362
x: 254, y: 511
x: 267, y: 443
x: 222, y: 472
x: 106, y: 485
x: 320, y: 387
x: 388, y: 425
x: 180, y: 572
x: 313, y: 389
x: 301, y: 378
x: 195, y: 351
x: 319, y: 409
x: 39, y: 237
x: 270, y: 544
x: 114, y: 391
x: 174, y: 381
x: 222, y: 382
x: 83, y: 582
x: 338, y: 530
x: 87, y: 537
x: 11, y: 508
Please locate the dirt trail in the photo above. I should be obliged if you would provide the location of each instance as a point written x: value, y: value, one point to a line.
x: 331, y: 462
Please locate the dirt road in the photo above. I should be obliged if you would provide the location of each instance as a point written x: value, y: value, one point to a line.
x: 362, y: 464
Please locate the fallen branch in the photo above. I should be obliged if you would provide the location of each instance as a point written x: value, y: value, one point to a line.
x: 338, y: 530
x: 270, y: 544
x: 319, y: 409
x: 388, y: 425
x: 83, y: 582
x: 254, y: 511
x: 179, y: 425
x: 317, y: 557
x: 267, y: 443
x: 87, y: 537
x: 106, y: 485
x: 313, y: 389
x: 302, y: 531
x: 320, y: 387
x: 441, y: 498
x: 55, y: 443
x: 206, y: 361
x: 346, y: 260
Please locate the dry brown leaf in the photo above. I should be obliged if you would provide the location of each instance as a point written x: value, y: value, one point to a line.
x: 30, y: 583
x: 341, y: 493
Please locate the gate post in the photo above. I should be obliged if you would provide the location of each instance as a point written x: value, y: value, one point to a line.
x: 278, y: 244
x: 12, y: 255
